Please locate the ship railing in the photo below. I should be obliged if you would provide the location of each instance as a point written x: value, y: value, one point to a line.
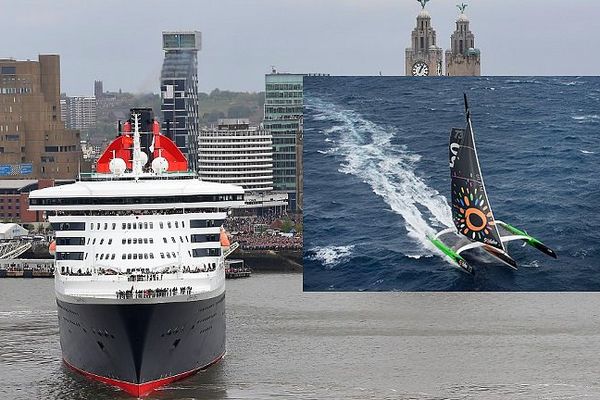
x: 158, y: 277
x: 106, y: 273
x: 125, y: 213
x: 142, y: 292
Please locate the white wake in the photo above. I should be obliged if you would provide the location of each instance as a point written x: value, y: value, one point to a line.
x: 330, y: 256
x: 389, y: 169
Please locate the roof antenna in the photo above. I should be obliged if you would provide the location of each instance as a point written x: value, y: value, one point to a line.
x: 137, y: 159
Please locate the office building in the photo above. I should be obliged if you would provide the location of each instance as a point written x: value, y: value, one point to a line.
x: 179, y: 91
x: 235, y: 152
x: 79, y: 112
x: 98, y: 89
x: 300, y: 168
x: 283, y: 110
x: 34, y: 142
x: 14, y: 198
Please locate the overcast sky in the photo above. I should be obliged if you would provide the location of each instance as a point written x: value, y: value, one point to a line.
x: 119, y: 41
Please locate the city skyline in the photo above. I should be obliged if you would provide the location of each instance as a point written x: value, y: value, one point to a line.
x: 120, y: 43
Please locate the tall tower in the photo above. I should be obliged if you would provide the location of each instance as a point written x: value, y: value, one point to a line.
x: 424, y: 57
x: 179, y: 91
x: 98, y: 90
x: 283, y: 110
x: 463, y: 59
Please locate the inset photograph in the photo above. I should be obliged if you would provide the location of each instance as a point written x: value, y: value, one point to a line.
x: 470, y: 184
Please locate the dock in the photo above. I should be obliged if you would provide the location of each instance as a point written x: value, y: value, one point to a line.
x: 44, y: 268
x: 27, y: 268
x: 235, y: 269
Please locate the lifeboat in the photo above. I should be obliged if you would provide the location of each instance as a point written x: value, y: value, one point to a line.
x: 52, y: 247
x: 224, y: 239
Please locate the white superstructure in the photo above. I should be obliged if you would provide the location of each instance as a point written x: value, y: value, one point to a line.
x: 138, y: 236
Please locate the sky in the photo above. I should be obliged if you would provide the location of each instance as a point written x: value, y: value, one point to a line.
x: 119, y: 41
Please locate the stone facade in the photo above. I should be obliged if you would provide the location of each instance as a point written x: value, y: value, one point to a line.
x: 424, y: 57
x: 463, y: 59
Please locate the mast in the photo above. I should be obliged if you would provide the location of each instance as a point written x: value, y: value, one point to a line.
x: 136, y: 163
x: 470, y: 128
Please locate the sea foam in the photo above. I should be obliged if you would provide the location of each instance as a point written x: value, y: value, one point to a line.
x: 330, y: 256
x: 388, y: 169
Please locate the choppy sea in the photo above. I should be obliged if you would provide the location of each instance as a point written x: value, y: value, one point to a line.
x: 376, y: 180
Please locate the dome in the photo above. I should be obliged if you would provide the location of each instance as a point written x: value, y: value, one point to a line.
x: 462, y: 18
x: 160, y: 165
x: 433, y: 47
x: 424, y: 14
x: 117, y: 166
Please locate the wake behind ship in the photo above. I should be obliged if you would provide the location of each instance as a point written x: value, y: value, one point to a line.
x: 139, y: 270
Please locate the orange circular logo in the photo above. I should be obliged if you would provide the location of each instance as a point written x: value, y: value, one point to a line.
x: 474, y: 211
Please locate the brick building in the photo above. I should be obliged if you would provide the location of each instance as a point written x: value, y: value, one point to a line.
x: 34, y: 143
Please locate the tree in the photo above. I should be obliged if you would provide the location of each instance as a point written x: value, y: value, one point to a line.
x: 287, y: 226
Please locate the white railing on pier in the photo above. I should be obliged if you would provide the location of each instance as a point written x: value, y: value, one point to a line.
x: 13, y: 249
x: 231, y: 249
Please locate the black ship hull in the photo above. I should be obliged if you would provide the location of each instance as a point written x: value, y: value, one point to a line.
x: 139, y: 347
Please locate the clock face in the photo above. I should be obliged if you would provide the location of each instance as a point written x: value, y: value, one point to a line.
x: 420, y: 69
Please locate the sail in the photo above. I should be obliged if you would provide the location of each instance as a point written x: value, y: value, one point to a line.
x: 471, y: 209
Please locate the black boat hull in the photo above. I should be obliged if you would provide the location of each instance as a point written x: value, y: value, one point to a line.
x: 139, y: 347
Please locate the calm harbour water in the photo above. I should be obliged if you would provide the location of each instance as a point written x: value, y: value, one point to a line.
x: 283, y: 343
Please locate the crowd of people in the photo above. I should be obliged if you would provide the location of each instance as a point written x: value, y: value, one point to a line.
x: 248, y: 224
x: 265, y: 241
x: 265, y: 232
x: 120, y: 213
x: 23, y: 266
x: 145, y: 275
x: 150, y: 293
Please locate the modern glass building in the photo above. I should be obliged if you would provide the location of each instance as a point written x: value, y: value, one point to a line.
x: 283, y: 115
x: 179, y: 91
x: 283, y: 110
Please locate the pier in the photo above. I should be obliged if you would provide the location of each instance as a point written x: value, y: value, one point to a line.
x: 27, y: 268
x: 235, y: 269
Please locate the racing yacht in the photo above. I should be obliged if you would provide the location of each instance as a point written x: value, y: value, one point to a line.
x: 474, y: 223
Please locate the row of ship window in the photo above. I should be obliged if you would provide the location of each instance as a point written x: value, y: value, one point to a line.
x: 80, y: 241
x: 79, y: 255
x: 116, y: 200
x: 80, y: 226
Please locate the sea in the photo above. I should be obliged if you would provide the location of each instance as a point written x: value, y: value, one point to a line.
x: 283, y: 343
x: 377, y: 180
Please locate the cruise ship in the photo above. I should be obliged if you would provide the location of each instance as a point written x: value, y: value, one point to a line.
x: 139, y: 267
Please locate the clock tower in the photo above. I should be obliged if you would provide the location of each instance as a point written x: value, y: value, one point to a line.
x: 424, y: 57
x: 463, y: 59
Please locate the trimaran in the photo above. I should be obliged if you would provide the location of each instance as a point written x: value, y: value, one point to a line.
x: 471, y: 210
